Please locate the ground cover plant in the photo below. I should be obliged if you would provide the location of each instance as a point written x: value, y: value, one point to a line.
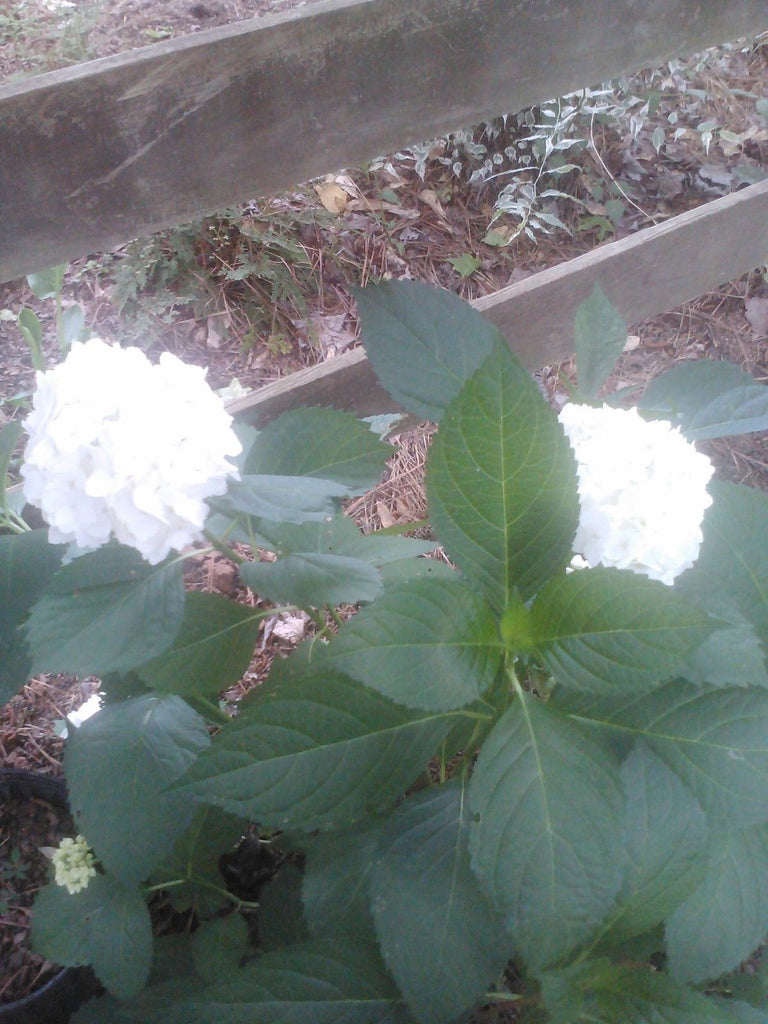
x: 510, y: 780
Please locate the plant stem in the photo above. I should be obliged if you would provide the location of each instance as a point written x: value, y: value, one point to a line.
x: 223, y: 549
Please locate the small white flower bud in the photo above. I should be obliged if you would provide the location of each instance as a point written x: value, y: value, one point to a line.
x: 73, y: 864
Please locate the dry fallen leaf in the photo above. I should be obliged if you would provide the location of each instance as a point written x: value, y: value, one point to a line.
x: 384, y: 514
x: 430, y: 198
x: 333, y: 197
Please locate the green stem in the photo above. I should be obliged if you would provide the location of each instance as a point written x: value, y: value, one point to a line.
x: 223, y: 549
x: 208, y: 709
x: 225, y: 893
x: 335, y: 616
x: 11, y: 521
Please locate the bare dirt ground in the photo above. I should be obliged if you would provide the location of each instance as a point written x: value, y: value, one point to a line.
x: 304, y: 248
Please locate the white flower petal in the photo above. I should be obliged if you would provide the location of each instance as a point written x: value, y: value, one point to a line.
x: 642, y: 490
x: 119, y: 447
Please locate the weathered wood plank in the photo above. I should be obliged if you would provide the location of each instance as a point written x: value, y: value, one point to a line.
x: 116, y: 148
x: 645, y: 274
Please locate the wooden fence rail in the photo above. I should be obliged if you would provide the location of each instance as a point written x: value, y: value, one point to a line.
x: 111, y: 150
x: 651, y: 271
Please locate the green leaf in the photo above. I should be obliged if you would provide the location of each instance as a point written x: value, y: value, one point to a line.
x: 339, y: 535
x: 665, y: 832
x: 501, y: 483
x: 9, y: 437
x: 563, y: 991
x: 732, y: 656
x: 640, y: 995
x: 118, y: 765
x: 195, y: 856
x: 313, y: 581
x: 441, y: 939
x: 46, y: 284
x: 107, y: 611
x: 294, y: 499
x: 427, y: 644
x: 219, y: 945
x: 72, y: 325
x: 714, y: 739
x: 707, y: 398
x: 600, y: 629
x: 422, y: 342
x: 212, y: 650
x: 27, y: 563
x: 320, y: 752
x: 600, y: 335
x: 731, y: 571
x: 396, y: 558
x: 548, y: 841
x: 322, y: 443
x: 336, y: 887
x: 106, y: 925
x: 726, y: 917
x: 466, y: 264
x: 281, y: 914
x: 310, y: 983
x: 32, y: 333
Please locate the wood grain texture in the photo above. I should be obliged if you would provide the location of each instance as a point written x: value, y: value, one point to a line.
x: 650, y: 272
x: 113, y: 149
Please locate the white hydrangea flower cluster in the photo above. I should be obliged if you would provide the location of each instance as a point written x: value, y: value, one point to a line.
x: 642, y: 489
x: 121, y: 447
x: 73, y: 864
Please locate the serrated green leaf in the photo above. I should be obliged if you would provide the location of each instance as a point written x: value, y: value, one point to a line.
x: 548, y: 840
x: 27, y: 563
x: 427, y: 644
x: 320, y: 752
x: 313, y: 580
x: 640, y: 995
x: 322, y: 443
x: 731, y: 656
x: 731, y: 571
x: 107, y: 611
x: 715, y: 739
x: 281, y: 914
x: 751, y: 987
x: 339, y: 535
x: 707, y: 398
x: 219, y: 945
x: 601, y: 629
x: 563, y: 991
x: 725, y: 918
x: 501, y: 483
x: 212, y: 649
x: 441, y: 939
x: 294, y: 499
x: 336, y: 887
x: 422, y: 342
x: 309, y: 983
x: 666, y: 831
x: 118, y: 765
x: 600, y: 335
x: 106, y: 925
x: 195, y: 856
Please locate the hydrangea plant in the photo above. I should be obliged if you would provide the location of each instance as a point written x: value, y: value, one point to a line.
x: 504, y: 781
